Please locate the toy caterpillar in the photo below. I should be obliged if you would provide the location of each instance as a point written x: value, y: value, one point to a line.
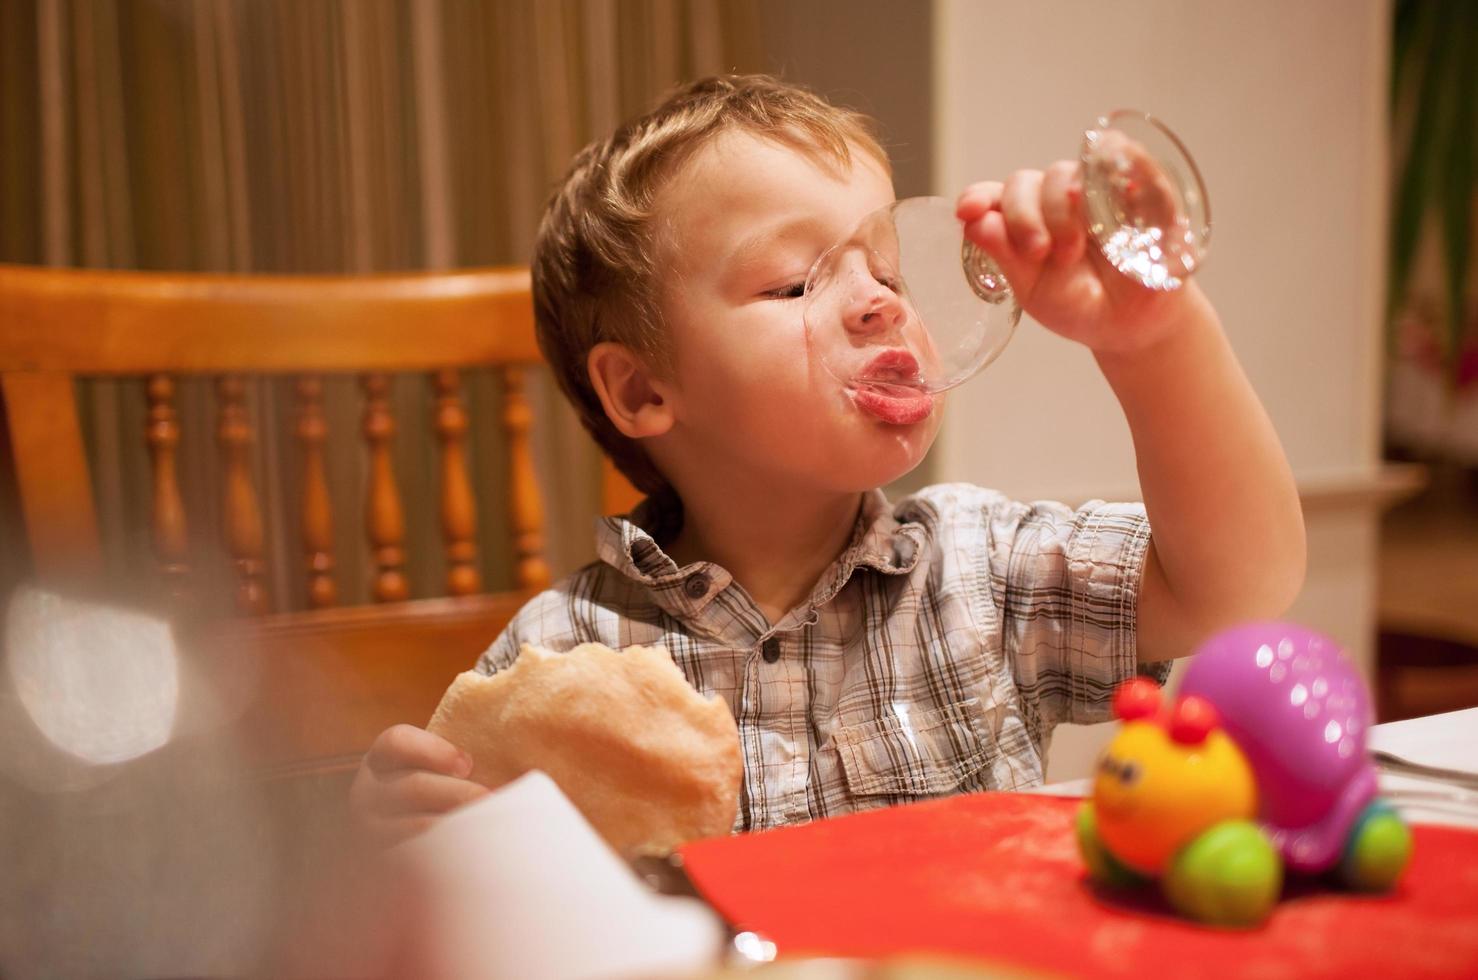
x: 1258, y: 765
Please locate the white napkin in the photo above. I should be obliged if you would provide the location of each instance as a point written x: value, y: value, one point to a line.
x: 518, y: 884
x: 1446, y: 741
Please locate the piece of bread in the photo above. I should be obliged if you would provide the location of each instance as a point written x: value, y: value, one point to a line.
x: 649, y: 761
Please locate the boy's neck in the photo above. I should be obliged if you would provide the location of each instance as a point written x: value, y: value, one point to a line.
x: 776, y: 545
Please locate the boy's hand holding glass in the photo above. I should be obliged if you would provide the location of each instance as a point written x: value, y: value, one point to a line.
x: 1095, y: 249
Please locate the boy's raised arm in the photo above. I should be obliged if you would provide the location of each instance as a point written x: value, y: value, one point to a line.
x: 1228, y: 537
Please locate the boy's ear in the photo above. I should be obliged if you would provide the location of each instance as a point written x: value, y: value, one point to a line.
x: 632, y: 398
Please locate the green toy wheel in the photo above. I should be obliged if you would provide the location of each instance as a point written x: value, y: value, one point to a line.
x: 1229, y: 876
x: 1103, y: 867
x: 1376, y: 851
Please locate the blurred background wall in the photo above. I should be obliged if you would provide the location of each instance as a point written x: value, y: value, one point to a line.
x: 1288, y: 126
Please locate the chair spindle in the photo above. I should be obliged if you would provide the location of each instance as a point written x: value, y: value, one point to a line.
x: 384, y: 519
x: 458, y: 507
x: 317, y: 513
x: 241, y: 510
x: 526, y: 511
x: 162, y: 432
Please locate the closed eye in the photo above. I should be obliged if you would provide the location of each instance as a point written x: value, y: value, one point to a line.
x: 793, y: 291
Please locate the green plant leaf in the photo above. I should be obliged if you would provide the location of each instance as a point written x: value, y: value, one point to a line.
x: 1423, y: 67
x: 1411, y: 19
x: 1456, y: 182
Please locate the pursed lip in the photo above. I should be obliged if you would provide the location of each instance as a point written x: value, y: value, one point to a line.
x: 889, y: 389
x: 894, y: 366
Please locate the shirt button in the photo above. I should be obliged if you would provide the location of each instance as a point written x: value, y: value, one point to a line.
x: 771, y: 650
x: 696, y: 586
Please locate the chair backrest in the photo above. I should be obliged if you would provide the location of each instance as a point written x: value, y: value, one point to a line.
x: 328, y: 678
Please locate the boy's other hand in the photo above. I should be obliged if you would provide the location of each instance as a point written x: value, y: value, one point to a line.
x: 408, y: 778
x: 1032, y: 225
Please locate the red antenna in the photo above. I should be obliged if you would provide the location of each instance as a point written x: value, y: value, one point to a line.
x: 1136, y: 699
x: 1192, y: 720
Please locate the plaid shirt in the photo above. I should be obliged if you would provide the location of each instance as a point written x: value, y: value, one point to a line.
x: 933, y: 657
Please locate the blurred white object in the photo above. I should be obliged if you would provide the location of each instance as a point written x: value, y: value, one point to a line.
x: 518, y: 884
x: 1445, y: 741
x: 100, y: 685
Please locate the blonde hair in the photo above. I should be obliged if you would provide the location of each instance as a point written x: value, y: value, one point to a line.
x: 593, y: 255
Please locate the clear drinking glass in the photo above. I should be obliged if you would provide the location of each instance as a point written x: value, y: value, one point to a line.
x: 906, y: 302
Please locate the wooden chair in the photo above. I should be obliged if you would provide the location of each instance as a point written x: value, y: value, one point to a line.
x: 328, y: 679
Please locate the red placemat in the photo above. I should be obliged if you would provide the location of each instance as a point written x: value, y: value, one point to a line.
x: 996, y: 876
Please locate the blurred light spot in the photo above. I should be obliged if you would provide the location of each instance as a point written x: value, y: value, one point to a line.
x: 1332, y: 732
x: 1311, y: 709
x: 1321, y: 687
x: 100, y: 683
x: 1285, y: 648
x: 1264, y: 656
x: 1277, y: 672
x: 1297, y: 695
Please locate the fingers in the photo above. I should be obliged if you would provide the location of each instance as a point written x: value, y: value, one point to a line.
x: 409, y: 747
x: 396, y: 794
x: 425, y: 793
x: 1021, y: 205
x: 1062, y: 195
x: 978, y: 199
x: 979, y: 208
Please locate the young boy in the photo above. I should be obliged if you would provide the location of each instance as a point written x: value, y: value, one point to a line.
x: 872, y: 653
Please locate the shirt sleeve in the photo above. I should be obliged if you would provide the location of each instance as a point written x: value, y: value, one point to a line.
x: 1067, y: 583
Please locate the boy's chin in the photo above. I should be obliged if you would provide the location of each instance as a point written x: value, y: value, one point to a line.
x: 887, y: 460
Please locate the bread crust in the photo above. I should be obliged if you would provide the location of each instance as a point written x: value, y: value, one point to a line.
x: 649, y: 761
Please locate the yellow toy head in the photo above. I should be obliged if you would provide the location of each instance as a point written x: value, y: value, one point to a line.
x: 1166, y: 778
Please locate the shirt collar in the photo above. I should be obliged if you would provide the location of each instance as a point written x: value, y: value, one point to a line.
x: 629, y: 544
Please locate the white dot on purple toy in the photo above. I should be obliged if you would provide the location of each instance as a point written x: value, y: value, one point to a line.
x: 1332, y: 732
x: 1264, y: 656
x: 1297, y: 695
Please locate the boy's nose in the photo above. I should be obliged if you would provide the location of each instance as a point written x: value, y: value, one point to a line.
x: 873, y: 307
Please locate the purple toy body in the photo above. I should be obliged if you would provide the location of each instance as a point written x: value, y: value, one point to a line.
x: 1298, y: 709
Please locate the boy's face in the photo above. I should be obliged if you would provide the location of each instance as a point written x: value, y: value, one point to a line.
x: 742, y: 224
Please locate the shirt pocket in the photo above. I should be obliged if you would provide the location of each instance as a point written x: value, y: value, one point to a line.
x: 936, y: 751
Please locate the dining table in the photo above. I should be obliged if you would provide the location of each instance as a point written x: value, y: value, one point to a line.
x: 996, y: 880
x: 988, y: 884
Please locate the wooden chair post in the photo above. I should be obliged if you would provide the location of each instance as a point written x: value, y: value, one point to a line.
x: 384, y: 519
x: 169, y: 529
x: 458, y: 506
x: 51, y: 472
x: 526, y: 510
x: 316, y: 516
x: 241, y: 512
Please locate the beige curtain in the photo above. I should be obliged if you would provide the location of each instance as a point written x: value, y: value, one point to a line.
x: 326, y: 136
